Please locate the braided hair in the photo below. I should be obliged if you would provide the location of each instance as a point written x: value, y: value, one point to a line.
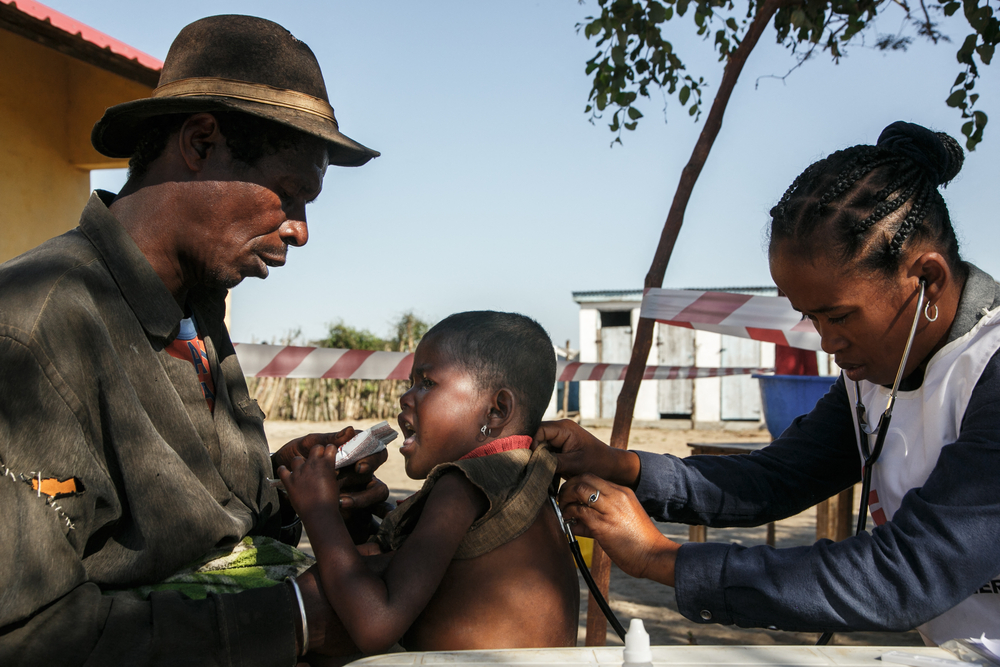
x: 872, y: 200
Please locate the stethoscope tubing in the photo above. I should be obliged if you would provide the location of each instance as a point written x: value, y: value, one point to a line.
x: 574, y: 546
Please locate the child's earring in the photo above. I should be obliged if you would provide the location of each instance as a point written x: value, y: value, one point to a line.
x: 486, y: 431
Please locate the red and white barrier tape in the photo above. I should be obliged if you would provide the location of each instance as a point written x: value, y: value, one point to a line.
x: 291, y: 361
x: 576, y: 372
x: 765, y: 318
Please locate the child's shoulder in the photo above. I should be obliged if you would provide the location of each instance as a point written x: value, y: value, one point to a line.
x: 515, y: 485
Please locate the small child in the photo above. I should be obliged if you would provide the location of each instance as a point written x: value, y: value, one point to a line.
x: 478, y: 561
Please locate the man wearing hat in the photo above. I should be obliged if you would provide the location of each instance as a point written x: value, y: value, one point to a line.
x: 130, y: 448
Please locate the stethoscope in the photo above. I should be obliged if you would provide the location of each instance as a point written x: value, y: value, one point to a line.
x: 574, y: 546
x: 871, y: 454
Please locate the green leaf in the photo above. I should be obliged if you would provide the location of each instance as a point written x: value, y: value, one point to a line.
x: 684, y: 95
x: 985, y: 52
x: 956, y: 99
x: 634, y: 113
x: 657, y: 12
x: 964, y: 54
x: 630, y: 126
x: 951, y: 7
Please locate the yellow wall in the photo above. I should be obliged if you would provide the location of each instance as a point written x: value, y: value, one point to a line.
x: 48, y: 104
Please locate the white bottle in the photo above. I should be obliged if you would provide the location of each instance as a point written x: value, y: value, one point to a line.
x: 637, y: 652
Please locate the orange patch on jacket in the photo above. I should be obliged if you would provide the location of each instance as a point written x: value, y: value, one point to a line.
x: 53, y: 487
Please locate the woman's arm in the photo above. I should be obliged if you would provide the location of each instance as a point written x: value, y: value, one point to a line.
x: 939, y: 547
x: 378, y: 610
x: 814, y: 458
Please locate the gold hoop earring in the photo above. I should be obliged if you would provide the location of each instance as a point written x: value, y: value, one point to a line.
x: 927, y: 312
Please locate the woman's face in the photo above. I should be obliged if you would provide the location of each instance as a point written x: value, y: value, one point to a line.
x: 863, y: 318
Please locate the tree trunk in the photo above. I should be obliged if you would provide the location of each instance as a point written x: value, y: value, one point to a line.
x: 596, y: 623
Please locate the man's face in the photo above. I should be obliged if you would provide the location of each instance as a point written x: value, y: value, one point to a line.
x: 251, y: 214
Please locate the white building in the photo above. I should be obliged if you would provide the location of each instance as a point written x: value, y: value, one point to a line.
x: 608, y: 322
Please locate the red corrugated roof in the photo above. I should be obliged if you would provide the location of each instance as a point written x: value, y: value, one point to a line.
x: 70, y: 26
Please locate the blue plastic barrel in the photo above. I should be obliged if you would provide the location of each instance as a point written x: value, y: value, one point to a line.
x: 785, y: 397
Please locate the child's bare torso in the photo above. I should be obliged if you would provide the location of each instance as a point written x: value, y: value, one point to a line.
x: 522, y: 594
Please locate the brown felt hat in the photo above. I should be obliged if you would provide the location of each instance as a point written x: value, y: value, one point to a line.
x: 239, y: 63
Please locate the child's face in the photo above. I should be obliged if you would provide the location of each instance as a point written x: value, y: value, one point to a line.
x: 443, y: 411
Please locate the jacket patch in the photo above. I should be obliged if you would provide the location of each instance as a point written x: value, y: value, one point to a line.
x: 57, y: 488
x: 47, y: 488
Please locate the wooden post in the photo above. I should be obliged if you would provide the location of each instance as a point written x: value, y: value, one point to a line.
x: 596, y: 632
x: 833, y: 516
x: 597, y: 625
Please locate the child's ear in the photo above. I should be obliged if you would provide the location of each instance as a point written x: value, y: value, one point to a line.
x: 502, y: 410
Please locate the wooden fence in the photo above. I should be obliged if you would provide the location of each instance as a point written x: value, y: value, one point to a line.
x: 327, y: 400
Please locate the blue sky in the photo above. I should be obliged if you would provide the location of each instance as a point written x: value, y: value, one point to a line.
x: 494, y: 190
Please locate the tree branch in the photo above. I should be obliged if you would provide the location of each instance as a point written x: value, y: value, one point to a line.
x: 597, y: 625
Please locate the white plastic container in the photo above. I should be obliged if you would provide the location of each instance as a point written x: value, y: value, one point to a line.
x: 637, y: 652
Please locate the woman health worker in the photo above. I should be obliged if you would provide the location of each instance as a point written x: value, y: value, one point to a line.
x: 862, y: 244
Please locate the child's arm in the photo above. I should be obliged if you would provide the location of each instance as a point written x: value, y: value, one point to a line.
x: 377, y: 611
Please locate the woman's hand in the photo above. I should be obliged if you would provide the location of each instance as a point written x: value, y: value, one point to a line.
x: 578, y: 452
x: 612, y: 515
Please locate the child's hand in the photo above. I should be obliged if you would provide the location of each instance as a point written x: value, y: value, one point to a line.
x: 311, y: 483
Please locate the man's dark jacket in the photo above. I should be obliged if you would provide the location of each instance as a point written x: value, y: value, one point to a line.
x: 89, y: 398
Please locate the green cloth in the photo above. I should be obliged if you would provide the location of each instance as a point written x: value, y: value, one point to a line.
x: 255, y: 562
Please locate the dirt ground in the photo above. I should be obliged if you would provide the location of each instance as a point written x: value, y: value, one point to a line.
x: 640, y: 598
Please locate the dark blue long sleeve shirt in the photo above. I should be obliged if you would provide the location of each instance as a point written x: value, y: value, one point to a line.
x: 942, y: 545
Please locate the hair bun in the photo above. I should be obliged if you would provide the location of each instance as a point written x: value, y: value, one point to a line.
x: 937, y: 153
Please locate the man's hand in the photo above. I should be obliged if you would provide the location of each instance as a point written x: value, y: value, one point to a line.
x: 359, y: 489
x: 302, y: 446
x: 578, y: 452
x: 612, y: 515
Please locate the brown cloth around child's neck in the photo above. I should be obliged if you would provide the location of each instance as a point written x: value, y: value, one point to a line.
x: 516, y: 484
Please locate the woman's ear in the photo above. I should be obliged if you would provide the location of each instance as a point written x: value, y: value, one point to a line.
x: 932, y: 268
x: 503, y: 407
